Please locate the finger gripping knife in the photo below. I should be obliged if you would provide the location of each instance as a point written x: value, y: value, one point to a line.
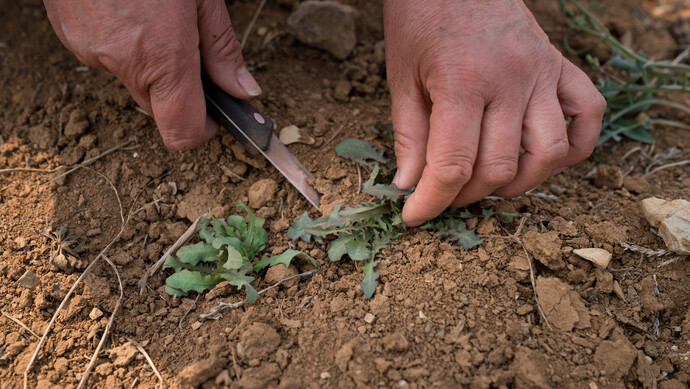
x: 254, y: 131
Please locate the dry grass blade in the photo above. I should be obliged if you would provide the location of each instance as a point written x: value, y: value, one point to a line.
x: 215, y: 312
x: 251, y: 24
x: 91, y: 160
x: 148, y: 359
x: 92, y: 362
x: 84, y: 274
x: 188, y: 310
x: 29, y: 170
x: 674, y: 164
x: 648, y: 252
x: 180, y: 241
x: 19, y: 323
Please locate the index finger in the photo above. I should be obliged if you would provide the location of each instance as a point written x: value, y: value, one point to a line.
x: 178, y: 105
x: 455, y: 126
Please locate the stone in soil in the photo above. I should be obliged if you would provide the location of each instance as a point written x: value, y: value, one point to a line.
x: 562, y: 306
x: 672, y: 218
x: 599, y: 257
x: 528, y: 366
x: 293, y: 134
x: 325, y: 25
x: 262, y: 192
x: 29, y: 280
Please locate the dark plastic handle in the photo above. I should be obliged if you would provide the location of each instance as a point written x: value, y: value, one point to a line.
x: 237, y: 116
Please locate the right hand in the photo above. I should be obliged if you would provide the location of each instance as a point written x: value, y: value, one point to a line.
x: 157, y: 49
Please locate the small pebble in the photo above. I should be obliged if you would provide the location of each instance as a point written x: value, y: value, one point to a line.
x: 196, y: 325
x: 325, y: 375
x: 95, y: 314
x: 369, y: 318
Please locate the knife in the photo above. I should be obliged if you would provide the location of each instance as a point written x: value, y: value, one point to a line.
x: 254, y: 131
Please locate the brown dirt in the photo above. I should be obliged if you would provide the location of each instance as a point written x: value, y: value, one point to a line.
x: 442, y: 317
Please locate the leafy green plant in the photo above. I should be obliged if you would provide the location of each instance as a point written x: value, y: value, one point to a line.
x: 640, y: 80
x: 362, y: 231
x: 226, y: 253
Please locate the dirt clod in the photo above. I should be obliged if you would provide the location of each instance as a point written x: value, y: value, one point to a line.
x: 262, y: 192
x: 259, y: 340
x: 545, y: 248
x: 562, y: 306
x: 326, y: 25
x: 615, y: 357
x: 195, y: 374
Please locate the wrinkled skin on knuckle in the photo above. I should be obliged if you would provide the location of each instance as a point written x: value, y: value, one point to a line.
x: 226, y: 45
x: 404, y: 142
x: 499, y: 171
x: 450, y: 171
x: 553, y: 152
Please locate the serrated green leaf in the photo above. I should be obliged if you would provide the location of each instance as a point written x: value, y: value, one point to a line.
x: 252, y: 294
x: 240, y: 279
x: 357, y: 248
x: 370, y: 280
x: 221, y: 241
x: 187, y: 281
x: 206, y: 233
x: 455, y: 230
x: 383, y: 191
x: 195, y: 253
x: 285, y: 258
x: 238, y: 223
x: 235, y: 259
x: 174, y: 292
x: 358, y: 151
x: 171, y: 262
x: 337, y: 250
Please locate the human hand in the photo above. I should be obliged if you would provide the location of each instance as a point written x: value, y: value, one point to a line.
x: 470, y: 83
x: 157, y: 48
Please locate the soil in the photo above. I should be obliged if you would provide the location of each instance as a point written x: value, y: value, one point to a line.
x: 442, y: 316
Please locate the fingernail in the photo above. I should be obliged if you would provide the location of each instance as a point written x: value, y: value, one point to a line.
x: 247, y: 82
x: 395, y: 180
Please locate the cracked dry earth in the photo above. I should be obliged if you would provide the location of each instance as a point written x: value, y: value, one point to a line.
x: 442, y: 316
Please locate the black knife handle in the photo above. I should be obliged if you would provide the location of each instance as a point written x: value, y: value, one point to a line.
x: 237, y: 116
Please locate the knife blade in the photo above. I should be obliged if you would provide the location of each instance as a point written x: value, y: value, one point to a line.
x: 254, y: 131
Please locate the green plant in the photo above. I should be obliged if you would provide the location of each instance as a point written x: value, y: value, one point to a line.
x: 225, y: 253
x: 362, y: 231
x: 632, y: 91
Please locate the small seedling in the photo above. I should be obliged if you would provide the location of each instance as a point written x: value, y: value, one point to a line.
x: 638, y: 79
x: 362, y: 231
x: 225, y: 254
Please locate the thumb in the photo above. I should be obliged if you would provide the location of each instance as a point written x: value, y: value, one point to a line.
x: 221, y: 55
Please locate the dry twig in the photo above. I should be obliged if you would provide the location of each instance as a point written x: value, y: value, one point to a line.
x: 251, y: 24
x: 515, y: 237
x: 148, y: 359
x: 180, y: 241
x: 215, y: 312
x: 188, y: 310
x: 106, y: 332
x: 19, y: 323
x: 91, y: 160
